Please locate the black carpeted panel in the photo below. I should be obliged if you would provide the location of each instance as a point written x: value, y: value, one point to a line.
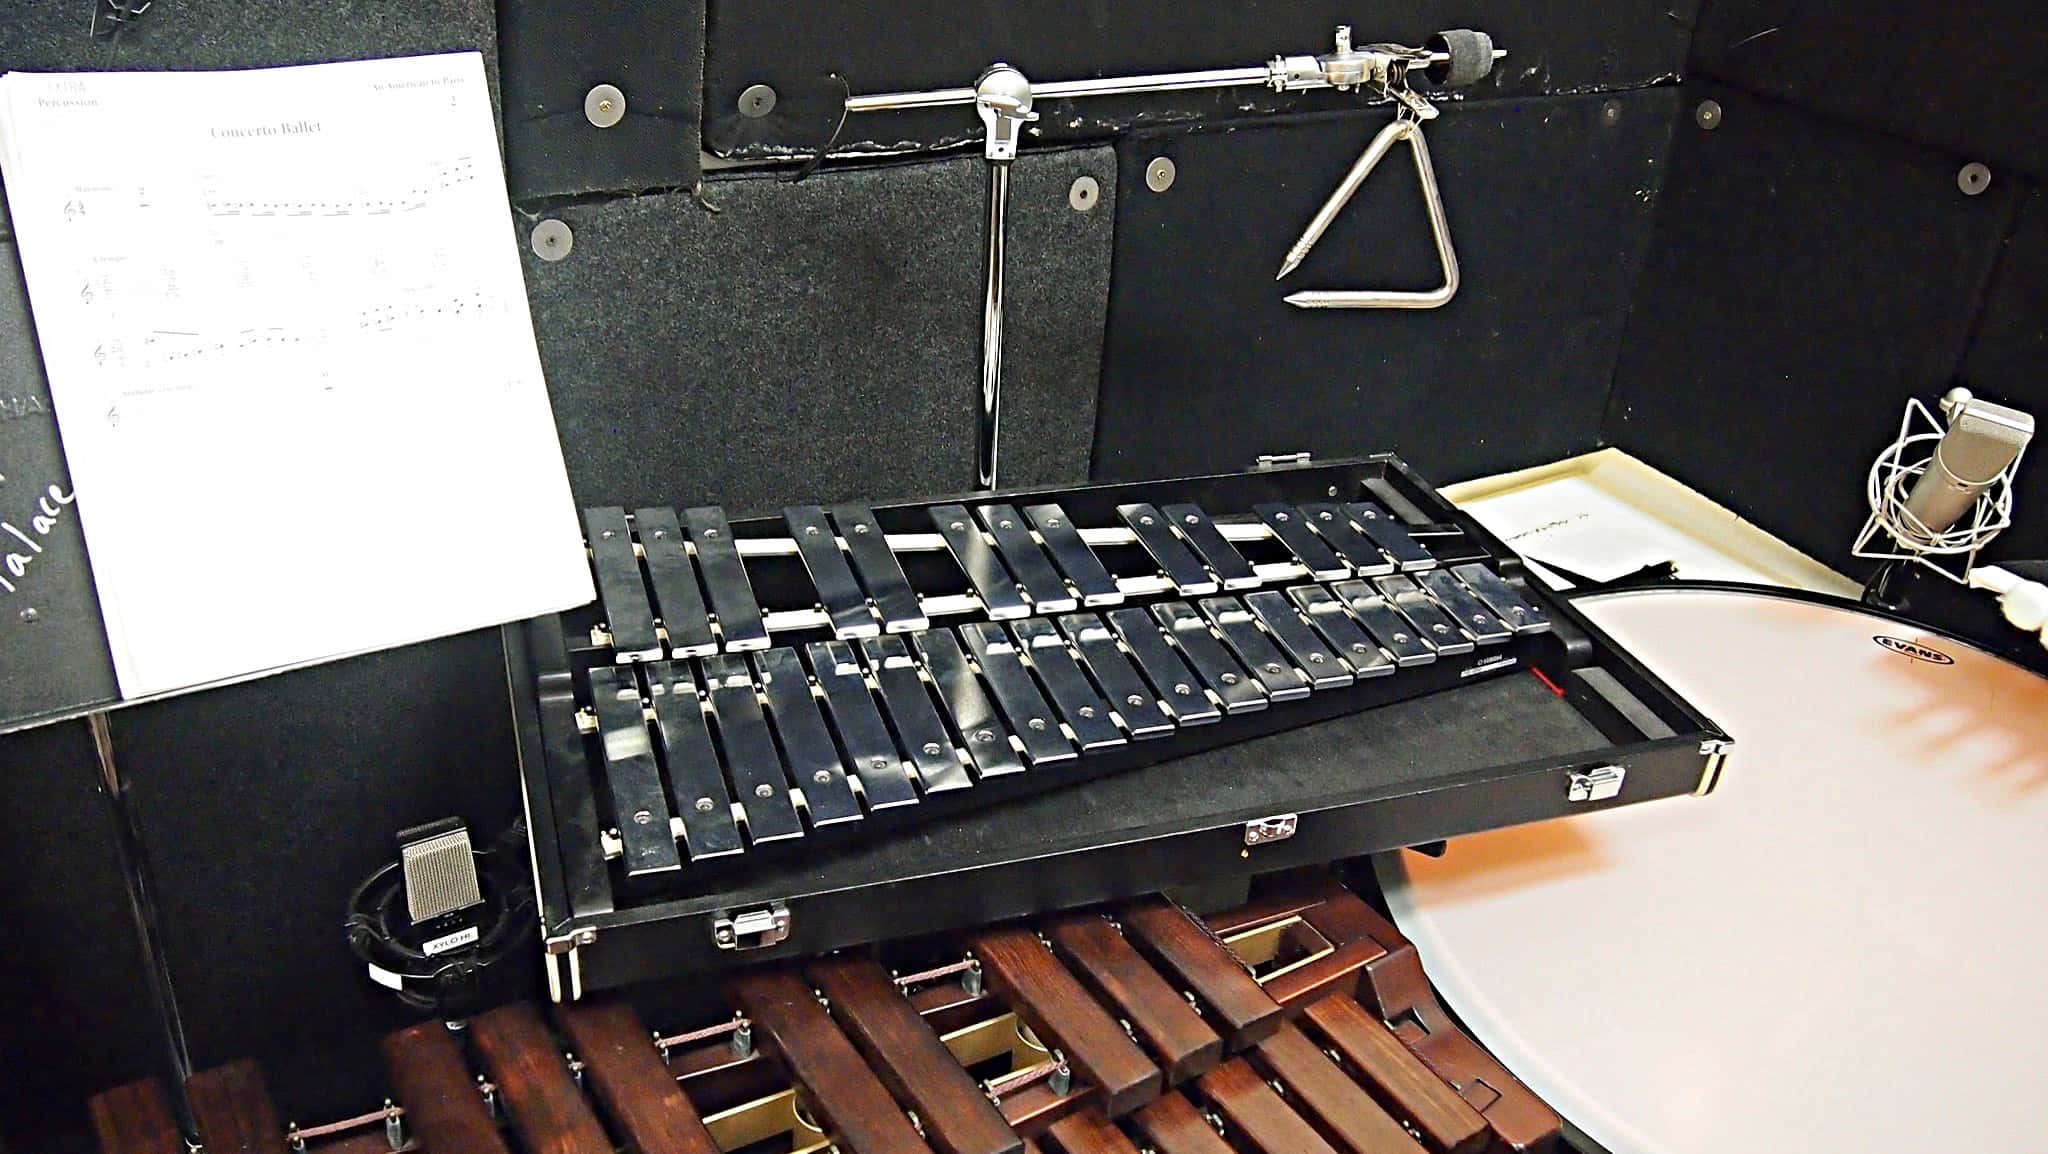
x: 55, y: 35
x: 1966, y: 77
x: 2008, y: 362
x: 818, y: 341
x: 265, y: 803
x: 53, y: 643
x: 556, y: 51
x: 1549, y: 204
x: 1553, y: 46
x: 1806, y: 278
x: 78, y: 1015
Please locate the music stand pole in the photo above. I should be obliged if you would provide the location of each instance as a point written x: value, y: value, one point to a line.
x: 141, y: 888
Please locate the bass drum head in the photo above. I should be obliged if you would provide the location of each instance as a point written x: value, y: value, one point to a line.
x: 1843, y: 947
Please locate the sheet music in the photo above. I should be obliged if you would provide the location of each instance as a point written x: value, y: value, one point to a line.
x: 291, y: 359
x: 1590, y: 531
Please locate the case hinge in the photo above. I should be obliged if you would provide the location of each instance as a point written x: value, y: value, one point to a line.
x: 751, y: 929
x: 1598, y: 783
x: 1279, y: 827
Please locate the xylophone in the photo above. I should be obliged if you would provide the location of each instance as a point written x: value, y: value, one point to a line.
x: 750, y: 689
x: 1300, y: 1023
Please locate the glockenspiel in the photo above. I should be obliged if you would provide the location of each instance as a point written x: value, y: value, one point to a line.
x: 747, y: 688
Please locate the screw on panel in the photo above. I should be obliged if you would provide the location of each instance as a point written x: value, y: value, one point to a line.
x: 1160, y: 173
x: 1708, y: 114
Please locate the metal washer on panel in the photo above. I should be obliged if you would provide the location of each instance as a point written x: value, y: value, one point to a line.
x: 552, y: 240
x: 604, y: 106
x: 1085, y: 194
x: 757, y: 101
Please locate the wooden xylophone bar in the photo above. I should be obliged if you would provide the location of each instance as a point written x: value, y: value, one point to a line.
x: 1299, y: 1024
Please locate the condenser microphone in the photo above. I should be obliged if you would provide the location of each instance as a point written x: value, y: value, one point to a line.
x: 1982, y: 441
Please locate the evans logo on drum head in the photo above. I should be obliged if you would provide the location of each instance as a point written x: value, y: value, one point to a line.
x: 1914, y: 650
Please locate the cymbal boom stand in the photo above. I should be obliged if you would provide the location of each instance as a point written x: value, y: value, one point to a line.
x: 1003, y: 97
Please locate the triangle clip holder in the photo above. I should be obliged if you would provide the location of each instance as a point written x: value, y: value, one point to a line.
x: 1406, y: 126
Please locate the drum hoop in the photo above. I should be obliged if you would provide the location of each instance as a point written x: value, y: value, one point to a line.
x: 1390, y: 867
x: 1801, y: 596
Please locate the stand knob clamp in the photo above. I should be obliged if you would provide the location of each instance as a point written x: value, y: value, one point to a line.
x: 1002, y: 98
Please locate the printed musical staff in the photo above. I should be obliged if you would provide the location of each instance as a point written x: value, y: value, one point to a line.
x: 437, y: 176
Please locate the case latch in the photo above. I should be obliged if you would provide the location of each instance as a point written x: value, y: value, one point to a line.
x: 752, y: 929
x: 1595, y: 784
x: 1281, y: 460
x: 1279, y: 827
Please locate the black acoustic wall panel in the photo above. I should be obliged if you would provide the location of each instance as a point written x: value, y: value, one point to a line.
x: 2008, y: 362
x: 1806, y: 278
x: 1549, y: 202
x: 265, y: 803
x: 556, y: 52
x: 1967, y: 77
x: 78, y: 1016
x: 817, y: 341
x: 1554, y: 46
x: 56, y: 35
x: 53, y: 643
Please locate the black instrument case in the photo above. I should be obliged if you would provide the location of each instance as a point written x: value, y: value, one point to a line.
x: 1580, y: 726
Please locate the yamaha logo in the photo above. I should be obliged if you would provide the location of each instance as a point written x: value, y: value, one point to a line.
x: 1914, y: 650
